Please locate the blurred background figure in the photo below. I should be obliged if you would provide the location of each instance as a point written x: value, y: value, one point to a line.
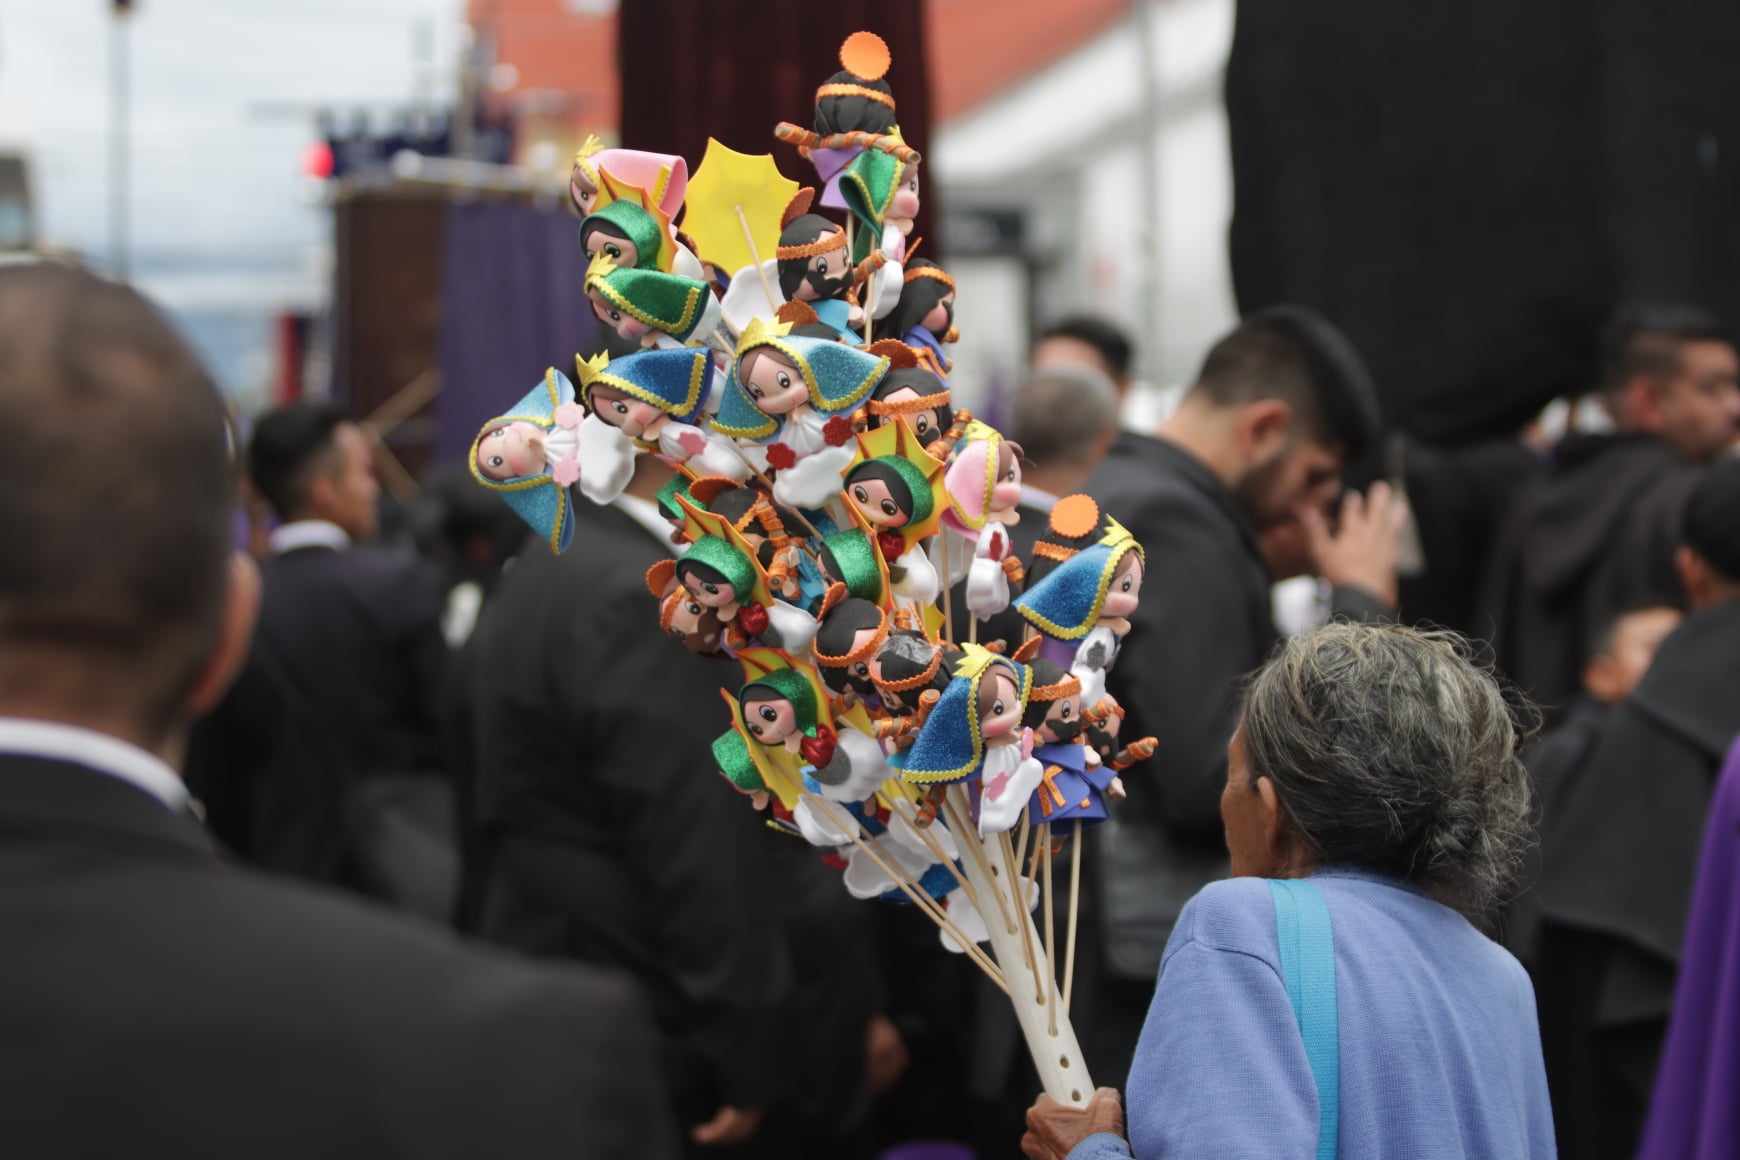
x: 1596, y: 533
x: 1619, y: 855
x: 152, y: 977
x: 349, y: 639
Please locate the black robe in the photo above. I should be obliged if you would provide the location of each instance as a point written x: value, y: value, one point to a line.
x: 1589, y: 540
x: 601, y: 831
x: 1618, y: 865
x: 162, y: 1000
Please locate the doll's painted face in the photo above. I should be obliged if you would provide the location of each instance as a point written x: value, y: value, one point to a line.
x: 904, y: 206
x: 777, y: 386
x: 999, y: 705
x: 635, y: 418
x: 925, y: 423
x: 692, y: 624
x: 1062, y: 721
x: 1125, y: 591
x: 581, y: 191
x: 511, y: 450
x: 1006, y: 492
x: 825, y: 276
x: 876, y: 502
x: 625, y: 325
x: 941, y: 316
x: 619, y: 249
x: 770, y: 722
x: 708, y: 588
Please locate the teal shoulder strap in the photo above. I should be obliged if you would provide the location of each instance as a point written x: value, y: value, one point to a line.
x: 1308, y: 968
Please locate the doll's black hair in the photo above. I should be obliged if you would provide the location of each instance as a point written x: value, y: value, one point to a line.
x: 705, y: 573
x: 898, y: 491
x: 922, y: 383
x: 1044, y: 673
x: 918, y: 298
x: 855, y: 114
x: 906, y: 654
x: 803, y: 230
x: 595, y: 224
x: 834, y: 637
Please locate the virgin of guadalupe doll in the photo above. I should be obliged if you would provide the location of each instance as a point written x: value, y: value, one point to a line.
x: 984, y: 487
x: 1075, y: 781
x: 783, y: 714
x: 798, y: 396
x: 651, y: 306
x: 911, y: 392
x: 1083, y: 605
x: 530, y: 456
x: 897, y: 487
x: 664, y: 176
x: 974, y: 732
x: 652, y: 400
x: 925, y: 318
x: 722, y: 574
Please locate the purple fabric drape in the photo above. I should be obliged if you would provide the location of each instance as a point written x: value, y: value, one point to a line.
x: 1694, y: 1115
x: 511, y: 305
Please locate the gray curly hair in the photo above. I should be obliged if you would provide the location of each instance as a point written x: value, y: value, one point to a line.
x: 1392, y: 749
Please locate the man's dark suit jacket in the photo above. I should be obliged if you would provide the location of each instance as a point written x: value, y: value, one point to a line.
x: 161, y: 1001
x: 602, y: 830
x: 343, y: 683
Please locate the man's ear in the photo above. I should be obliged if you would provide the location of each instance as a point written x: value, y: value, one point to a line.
x: 1601, y: 679
x: 1694, y: 574
x: 1640, y: 403
x: 235, y: 636
x: 1276, y: 835
x: 1265, y: 429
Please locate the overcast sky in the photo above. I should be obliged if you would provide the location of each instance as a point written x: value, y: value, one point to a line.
x: 211, y: 174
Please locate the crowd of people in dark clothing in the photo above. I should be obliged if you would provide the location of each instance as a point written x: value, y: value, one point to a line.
x: 432, y: 720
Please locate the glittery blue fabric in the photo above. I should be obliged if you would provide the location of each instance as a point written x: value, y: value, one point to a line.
x: 664, y: 377
x: 537, y: 499
x: 1070, y: 595
x: 946, y: 742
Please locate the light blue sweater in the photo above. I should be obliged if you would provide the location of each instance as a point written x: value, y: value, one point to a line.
x: 1440, y: 1049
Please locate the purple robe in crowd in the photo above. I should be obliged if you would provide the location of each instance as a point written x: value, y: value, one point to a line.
x: 1694, y: 1115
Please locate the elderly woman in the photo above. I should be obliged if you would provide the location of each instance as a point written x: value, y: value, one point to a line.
x: 1347, y: 1007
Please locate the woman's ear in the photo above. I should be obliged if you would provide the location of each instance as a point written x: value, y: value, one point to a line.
x: 1277, y: 830
x: 235, y: 636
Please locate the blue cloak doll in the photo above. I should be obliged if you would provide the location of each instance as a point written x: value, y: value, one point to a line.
x: 529, y: 456
x: 797, y: 395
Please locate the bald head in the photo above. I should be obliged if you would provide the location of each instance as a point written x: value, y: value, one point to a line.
x: 115, y: 496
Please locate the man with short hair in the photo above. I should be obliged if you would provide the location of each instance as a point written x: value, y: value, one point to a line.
x: 1084, y: 340
x: 1595, y: 534
x: 349, y: 640
x: 161, y: 1000
x: 1281, y: 404
x: 1620, y: 853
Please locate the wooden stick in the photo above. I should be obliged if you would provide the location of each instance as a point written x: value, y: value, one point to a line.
x: 935, y: 848
x: 1074, y: 896
x: 948, y: 582
x: 404, y: 402
x: 1050, y: 944
x: 1039, y: 849
x: 869, y: 303
x: 755, y: 257
x: 968, y: 839
x: 920, y: 899
x: 1021, y: 841
x: 1020, y: 896
x: 768, y: 483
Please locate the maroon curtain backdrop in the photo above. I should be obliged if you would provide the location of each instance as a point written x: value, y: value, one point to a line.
x: 732, y: 69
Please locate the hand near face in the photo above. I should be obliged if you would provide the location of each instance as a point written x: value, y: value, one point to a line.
x: 1053, y: 1129
x: 1361, y: 551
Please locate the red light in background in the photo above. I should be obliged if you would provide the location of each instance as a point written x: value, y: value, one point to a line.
x: 317, y: 160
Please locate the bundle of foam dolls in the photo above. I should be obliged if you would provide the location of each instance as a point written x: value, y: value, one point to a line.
x: 844, y: 534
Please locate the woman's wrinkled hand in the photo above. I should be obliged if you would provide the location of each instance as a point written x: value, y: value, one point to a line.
x: 1053, y: 1129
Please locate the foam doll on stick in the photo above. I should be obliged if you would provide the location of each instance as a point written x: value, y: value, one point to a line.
x: 896, y: 486
x: 722, y: 573
x: 912, y: 391
x: 664, y: 176
x: 530, y: 456
x: 797, y: 396
x: 925, y: 317
x: 652, y: 400
x: 984, y: 487
x: 1082, y: 606
x: 975, y: 732
x: 650, y: 306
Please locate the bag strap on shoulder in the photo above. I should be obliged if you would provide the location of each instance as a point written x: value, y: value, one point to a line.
x: 1308, y: 969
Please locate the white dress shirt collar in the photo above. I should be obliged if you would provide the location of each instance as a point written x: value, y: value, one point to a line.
x: 96, y: 751
x: 308, y: 534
